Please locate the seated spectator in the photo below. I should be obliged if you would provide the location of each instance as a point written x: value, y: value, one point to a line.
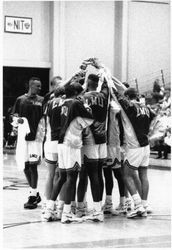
x: 166, y: 102
x: 158, y: 91
x: 165, y: 145
x: 158, y: 129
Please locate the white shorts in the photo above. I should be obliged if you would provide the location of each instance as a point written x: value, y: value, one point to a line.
x: 137, y: 157
x: 69, y: 158
x: 113, y: 157
x: 94, y: 152
x: 51, y: 152
x: 33, y: 152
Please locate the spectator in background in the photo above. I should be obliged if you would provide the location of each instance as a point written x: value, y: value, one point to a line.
x: 158, y: 91
x: 165, y: 146
x: 166, y: 102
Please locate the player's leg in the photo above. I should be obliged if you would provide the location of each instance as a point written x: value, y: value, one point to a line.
x: 73, y: 165
x: 143, y: 176
x: 107, y: 170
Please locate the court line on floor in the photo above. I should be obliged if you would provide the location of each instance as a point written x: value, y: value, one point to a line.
x: 118, y: 243
x: 19, y: 224
x: 15, y: 224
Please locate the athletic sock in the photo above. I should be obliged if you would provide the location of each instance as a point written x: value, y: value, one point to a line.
x: 67, y: 208
x: 60, y: 204
x: 50, y: 204
x: 136, y: 199
x: 108, y: 199
x: 73, y: 203
x: 80, y: 204
x: 122, y: 200
x: 97, y: 206
x: 33, y: 191
x: 144, y: 203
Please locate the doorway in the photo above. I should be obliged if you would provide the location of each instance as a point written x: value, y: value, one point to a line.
x: 15, y: 82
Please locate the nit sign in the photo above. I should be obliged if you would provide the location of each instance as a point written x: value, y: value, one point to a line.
x: 22, y: 25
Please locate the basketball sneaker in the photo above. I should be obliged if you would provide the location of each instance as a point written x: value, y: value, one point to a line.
x: 58, y: 213
x: 148, y: 209
x: 95, y: 216
x: 128, y: 204
x: 70, y: 217
x: 49, y: 215
x: 32, y: 203
x: 38, y: 198
x: 107, y: 208
x: 80, y: 212
x: 73, y: 209
x: 119, y: 210
x: 138, y: 211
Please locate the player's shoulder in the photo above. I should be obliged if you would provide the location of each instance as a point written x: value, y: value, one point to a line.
x: 22, y: 97
x: 41, y: 98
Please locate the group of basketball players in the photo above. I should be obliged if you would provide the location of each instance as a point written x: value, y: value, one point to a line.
x: 92, y: 127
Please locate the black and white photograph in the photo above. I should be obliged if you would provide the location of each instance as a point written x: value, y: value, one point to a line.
x: 86, y: 124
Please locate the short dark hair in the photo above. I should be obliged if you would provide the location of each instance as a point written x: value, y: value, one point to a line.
x: 132, y: 93
x: 34, y: 78
x: 93, y: 83
x: 93, y: 78
x: 73, y: 89
x: 59, y: 91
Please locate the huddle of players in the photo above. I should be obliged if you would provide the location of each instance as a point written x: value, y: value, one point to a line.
x: 85, y: 132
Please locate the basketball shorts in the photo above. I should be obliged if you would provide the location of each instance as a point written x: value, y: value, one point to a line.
x: 69, y: 158
x: 94, y: 152
x: 51, y: 152
x: 137, y: 157
x: 113, y: 157
x: 33, y: 152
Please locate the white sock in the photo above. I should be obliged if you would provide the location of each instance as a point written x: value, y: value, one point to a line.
x: 136, y: 199
x: 50, y: 204
x: 33, y: 191
x: 60, y: 204
x: 144, y: 203
x: 122, y: 200
x: 67, y: 208
x: 73, y: 203
x: 97, y: 206
x: 80, y: 204
x: 108, y: 199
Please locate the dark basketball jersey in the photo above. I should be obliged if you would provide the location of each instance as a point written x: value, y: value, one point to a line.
x: 98, y: 102
x: 136, y: 118
x: 29, y: 107
x: 74, y: 118
x: 53, y: 113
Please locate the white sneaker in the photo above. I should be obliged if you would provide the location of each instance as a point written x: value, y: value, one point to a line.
x: 80, y: 212
x: 69, y: 217
x: 107, y: 208
x: 128, y: 204
x: 119, y: 210
x: 49, y: 215
x: 138, y: 211
x: 148, y: 209
x: 43, y: 207
x: 95, y: 216
x: 58, y: 213
x: 73, y: 209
